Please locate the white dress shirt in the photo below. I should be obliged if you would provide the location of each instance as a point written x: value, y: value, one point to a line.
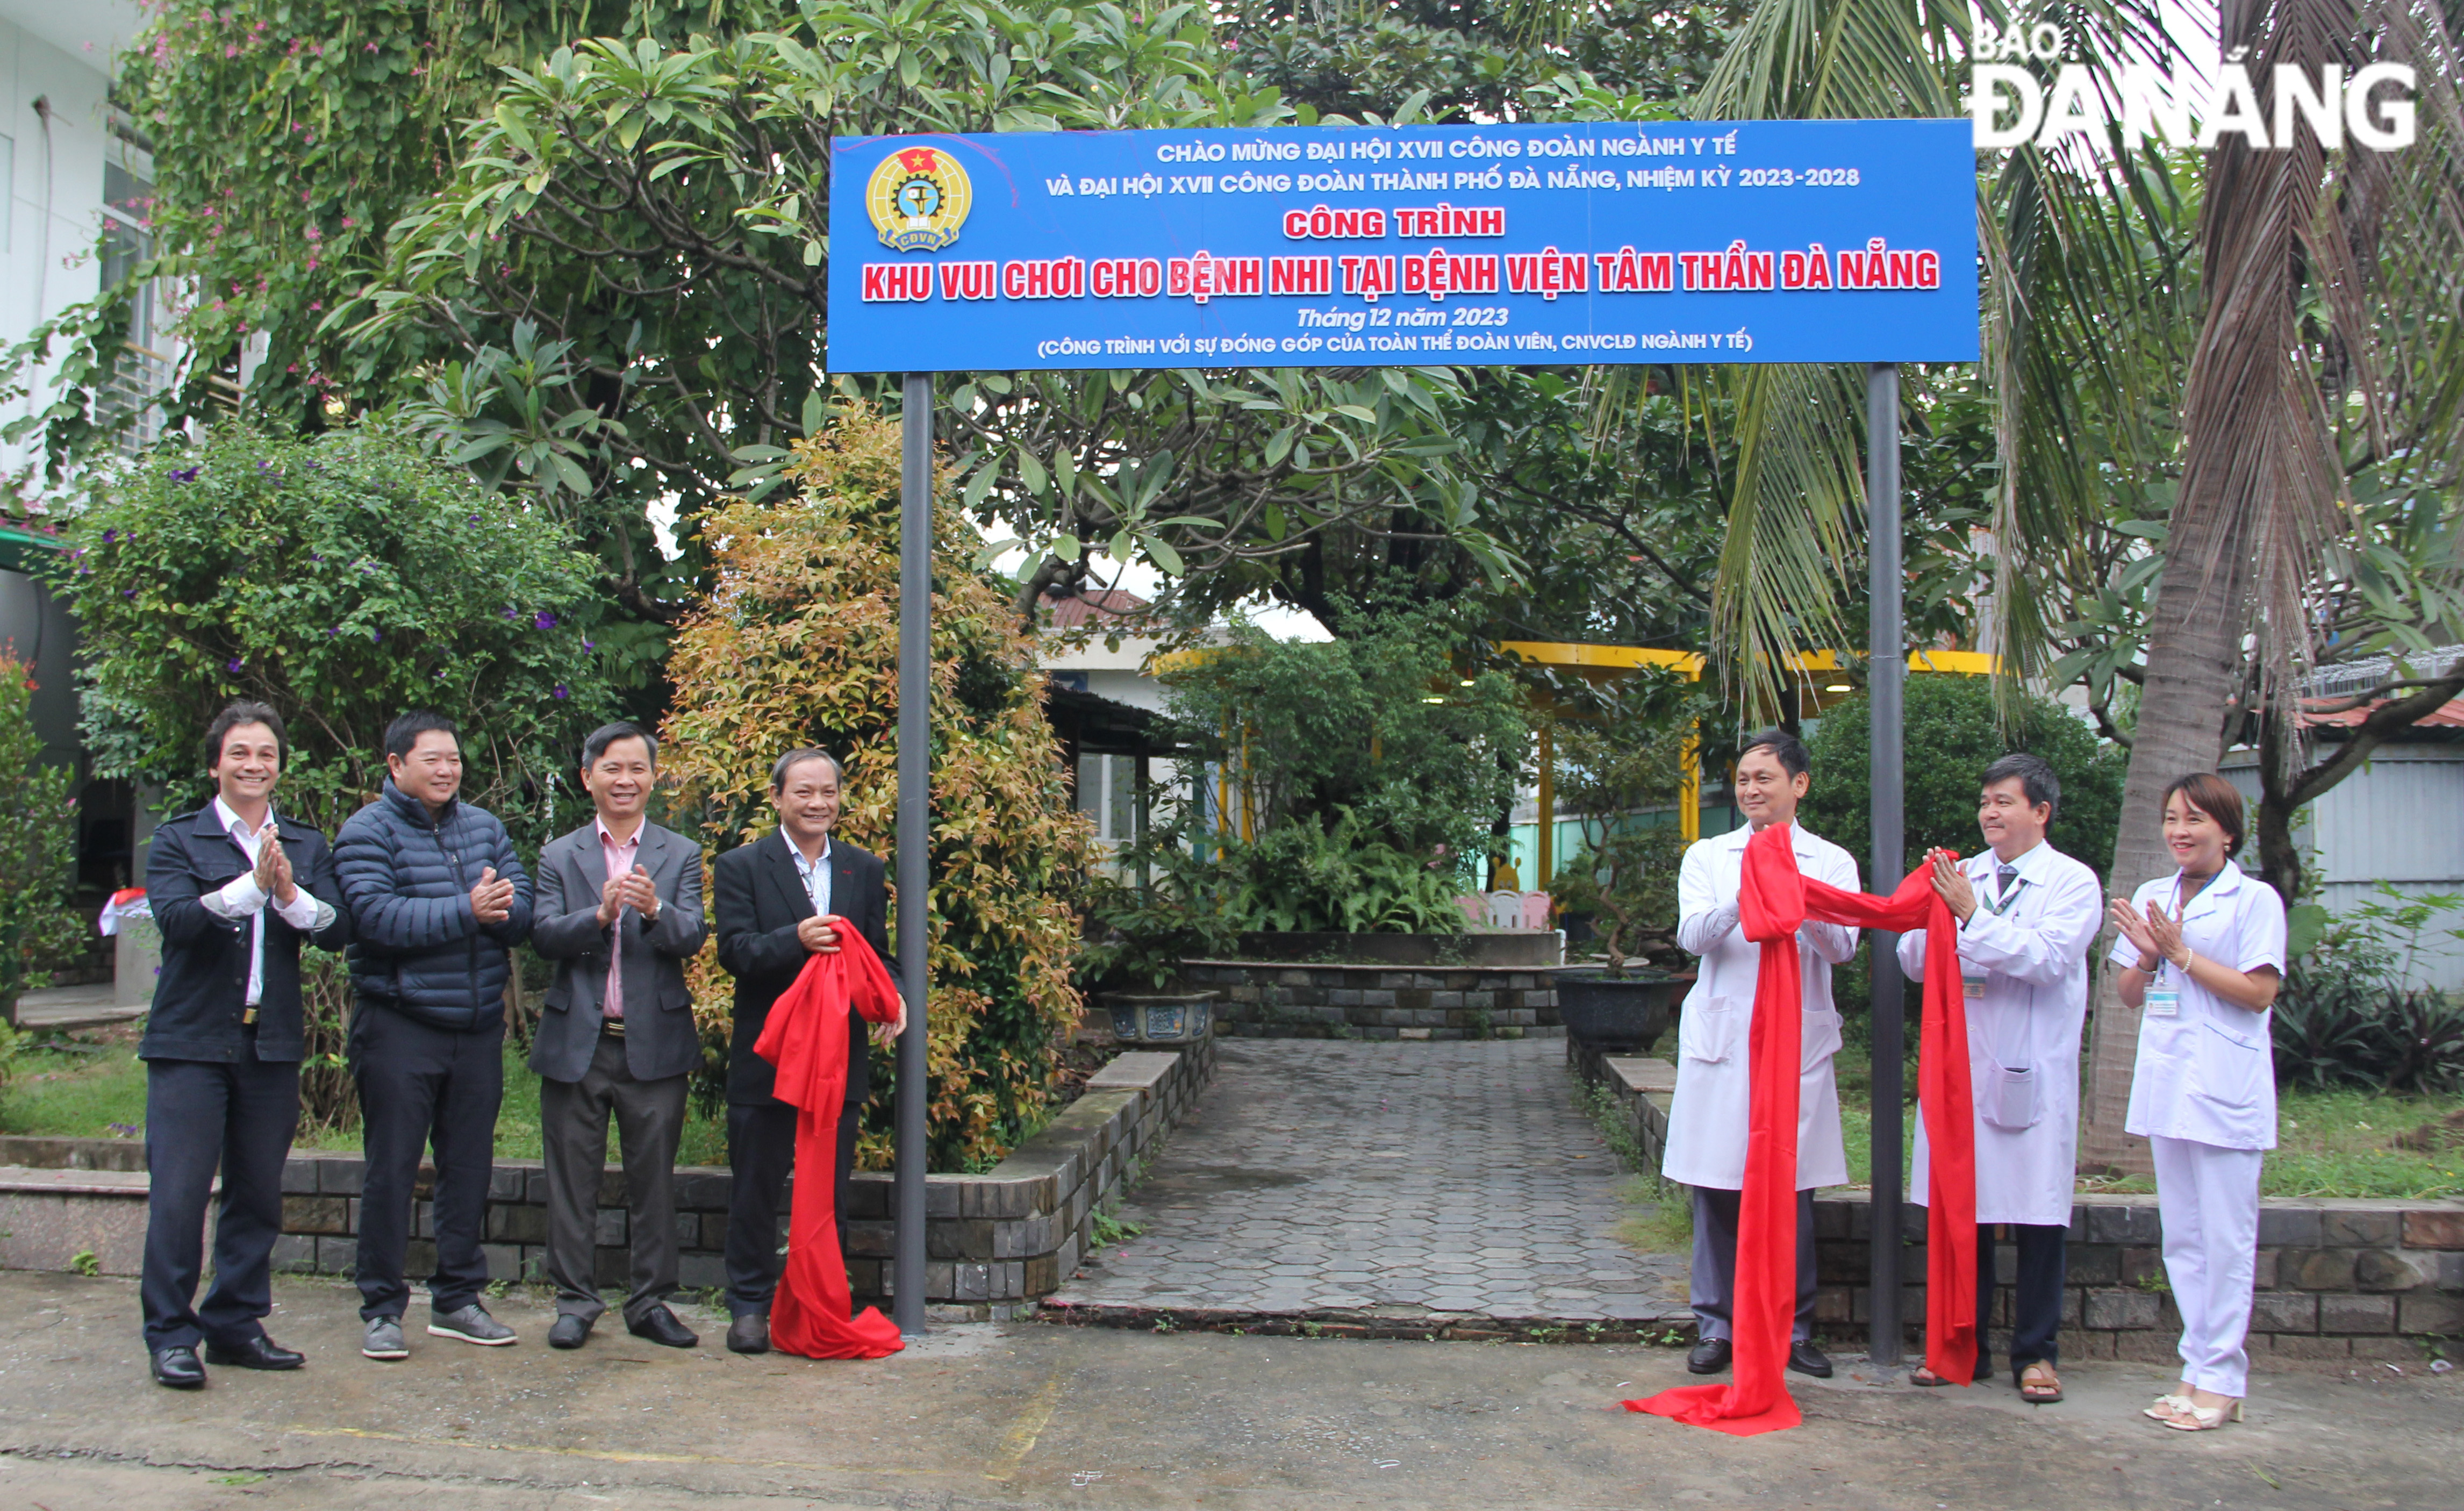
x: 816, y: 872
x: 2023, y: 958
x: 1708, y: 1115
x: 242, y: 897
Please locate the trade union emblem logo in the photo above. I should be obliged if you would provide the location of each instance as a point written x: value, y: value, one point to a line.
x: 918, y: 198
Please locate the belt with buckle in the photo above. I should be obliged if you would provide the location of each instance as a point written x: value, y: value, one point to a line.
x: 613, y: 1026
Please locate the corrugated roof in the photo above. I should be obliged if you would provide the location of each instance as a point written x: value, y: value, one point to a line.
x: 2448, y: 718
x: 1081, y: 609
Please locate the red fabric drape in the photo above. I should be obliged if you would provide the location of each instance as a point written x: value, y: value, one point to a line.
x: 1773, y: 900
x: 805, y: 1037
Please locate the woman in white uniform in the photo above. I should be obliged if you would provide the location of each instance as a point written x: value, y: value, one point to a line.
x: 2028, y: 917
x: 2202, y: 954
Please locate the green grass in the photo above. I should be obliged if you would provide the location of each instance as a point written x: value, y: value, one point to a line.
x: 63, y: 1093
x: 2328, y: 1144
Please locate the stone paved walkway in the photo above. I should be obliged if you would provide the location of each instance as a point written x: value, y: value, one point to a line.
x: 1324, y: 1176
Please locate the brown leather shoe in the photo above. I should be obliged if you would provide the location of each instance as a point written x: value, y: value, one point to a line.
x: 749, y: 1333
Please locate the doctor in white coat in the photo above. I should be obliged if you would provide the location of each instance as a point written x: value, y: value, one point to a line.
x: 2202, y: 954
x: 2028, y: 915
x: 1707, y: 1118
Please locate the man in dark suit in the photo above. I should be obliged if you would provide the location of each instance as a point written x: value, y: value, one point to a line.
x: 235, y: 888
x: 777, y: 902
x: 619, y: 912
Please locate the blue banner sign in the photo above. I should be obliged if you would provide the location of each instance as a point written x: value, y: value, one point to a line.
x: 1766, y: 241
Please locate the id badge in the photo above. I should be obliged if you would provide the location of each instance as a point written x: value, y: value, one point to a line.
x: 2164, y: 1003
x: 1973, y: 988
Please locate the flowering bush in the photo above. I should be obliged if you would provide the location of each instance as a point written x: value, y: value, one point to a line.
x: 341, y: 579
x: 797, y: 643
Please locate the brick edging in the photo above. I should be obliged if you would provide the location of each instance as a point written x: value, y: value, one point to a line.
x: 2337, y: 1277
x: 995, y: 1241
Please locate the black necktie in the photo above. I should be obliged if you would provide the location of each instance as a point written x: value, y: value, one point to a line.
x: 2009, y: 878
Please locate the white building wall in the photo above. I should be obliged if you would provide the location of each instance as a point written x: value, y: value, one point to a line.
x: 2399, y: 820
x: 52, y: 162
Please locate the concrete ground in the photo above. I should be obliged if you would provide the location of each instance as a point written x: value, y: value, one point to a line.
x: 1027, y: 1415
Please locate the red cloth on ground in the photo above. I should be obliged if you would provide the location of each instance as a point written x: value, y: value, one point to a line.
x: 1773, y: 901
x: 806, y: 1037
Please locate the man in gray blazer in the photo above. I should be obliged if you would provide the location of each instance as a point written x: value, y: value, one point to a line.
x: 621, y: 892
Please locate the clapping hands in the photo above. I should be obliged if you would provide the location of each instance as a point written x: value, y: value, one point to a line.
x: 492, y: 901
x: 2157, y: 933
x: 633, y: 889
x: 272, y: 867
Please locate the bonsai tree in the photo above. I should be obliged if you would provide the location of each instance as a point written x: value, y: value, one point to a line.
x: 1364, y: 767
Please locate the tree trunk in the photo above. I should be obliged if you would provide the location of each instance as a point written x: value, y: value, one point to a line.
x: 2281, y: 797
x: 2194, y: 672
x: 2250, y: 460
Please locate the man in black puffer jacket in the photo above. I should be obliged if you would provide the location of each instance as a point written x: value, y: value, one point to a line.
x: 437, y: 902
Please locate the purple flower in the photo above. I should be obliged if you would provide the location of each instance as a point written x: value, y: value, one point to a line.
x: 184, y: 475
x: 332, y: 630
x: 128, y: 592
x: 511, y: 612
x: 376, y: 635
x: 590, y: 645
x: 110, y: 535
x: 561, y: 691
x: 234, y: 664
x: 543, y: 620
x: 474, y: 519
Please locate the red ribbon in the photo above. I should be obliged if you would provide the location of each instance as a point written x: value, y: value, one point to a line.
x: 806, y: 1037
x: 1773, y: 901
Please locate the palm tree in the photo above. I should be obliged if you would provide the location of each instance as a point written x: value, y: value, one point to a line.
x: 2314, y: 322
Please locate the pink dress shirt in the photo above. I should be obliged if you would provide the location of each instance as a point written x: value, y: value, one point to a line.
x: 620, y: 862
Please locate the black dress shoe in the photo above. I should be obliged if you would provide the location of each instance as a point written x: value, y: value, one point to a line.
x: 569, y: 1331
x: 1806, y: 1359
x: 661, y: 1326
x: 1710, y: 1357
x: 259, y: 1352
x: 179, y: 1369
x: 749, y: 1333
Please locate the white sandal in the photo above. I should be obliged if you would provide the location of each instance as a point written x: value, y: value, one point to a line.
x: 2197, y: 1419
x: 2164, y: 1407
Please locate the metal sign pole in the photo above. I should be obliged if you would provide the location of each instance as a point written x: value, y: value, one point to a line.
x: 1886, y: 677
x: 915, y: 832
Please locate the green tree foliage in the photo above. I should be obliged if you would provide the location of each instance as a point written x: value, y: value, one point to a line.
x: 37, y: 848
x: 797, y: 643
x: 341, y: 579
x: 1380, y: 724
x: 1470, y: 60
x: 1951, y: 734
x: 657, y: 216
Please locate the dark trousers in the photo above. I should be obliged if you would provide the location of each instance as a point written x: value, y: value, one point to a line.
x: 1714, y: 1280
x: 573, y: 1141
x: 201, y: 1114
x: 422, y: 1087
x: 760, y: 1156
x: 2035, y: 1300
